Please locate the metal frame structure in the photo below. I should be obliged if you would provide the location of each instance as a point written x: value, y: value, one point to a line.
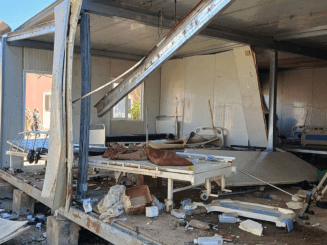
x: 147, y: 17
x: 39, y: 30
x: 202, y: 173
x: 85, y: 106
x: 272, y: 101
x: 187, y: 28
x: 116, y: 234
x: 194, y: 23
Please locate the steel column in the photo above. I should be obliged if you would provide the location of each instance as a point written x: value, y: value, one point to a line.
x: 2, y: 41
x: 85, y: 106
x: 272, y: 101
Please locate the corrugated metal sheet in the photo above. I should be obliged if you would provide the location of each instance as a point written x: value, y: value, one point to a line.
x: 38, y: 60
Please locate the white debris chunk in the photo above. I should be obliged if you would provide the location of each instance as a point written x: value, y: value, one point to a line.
x: 294, y: 205
x: 251, y: 226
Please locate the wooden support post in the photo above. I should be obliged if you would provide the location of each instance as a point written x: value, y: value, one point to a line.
x: 85, y: 106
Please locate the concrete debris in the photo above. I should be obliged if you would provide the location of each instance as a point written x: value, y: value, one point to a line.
x: 198, y: 210
x: 156, y: 202
x: 215, y: 240
x: 294, y: 205
x: 87, y: 205
x: 178, y: 213
x: 152, y: 211
x: 187, y: 205
x: 9, y: 216
x: 252, y: 227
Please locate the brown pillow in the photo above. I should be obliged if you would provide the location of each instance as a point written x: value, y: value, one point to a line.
x: 166, y: 158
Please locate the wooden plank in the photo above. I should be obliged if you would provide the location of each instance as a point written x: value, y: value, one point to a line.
x: 85, y: 106
x: 30, y: 190
x: 55, y: 178
x: 251, y: 96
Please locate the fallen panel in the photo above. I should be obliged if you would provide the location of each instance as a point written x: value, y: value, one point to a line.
x: 10, y: 229
x: 189, y: 27
x: 55, y: 178
x: 273, y: 167
x: 251, y: 96
x: 280, y: 216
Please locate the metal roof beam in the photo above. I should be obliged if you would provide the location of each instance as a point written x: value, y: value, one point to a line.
x: 44, y: 14
x: 95, y: 52
x: 187, y: 29
x: 147, y: 17
x: 35, y: 31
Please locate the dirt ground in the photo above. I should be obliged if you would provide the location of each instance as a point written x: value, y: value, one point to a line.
x: 163, y: 228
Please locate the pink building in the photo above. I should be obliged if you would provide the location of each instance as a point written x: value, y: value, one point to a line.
x: 38, y: 96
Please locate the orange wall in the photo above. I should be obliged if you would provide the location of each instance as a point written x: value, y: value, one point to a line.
x: 36, y: 84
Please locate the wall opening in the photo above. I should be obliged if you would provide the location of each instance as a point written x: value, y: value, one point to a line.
x: 37, y: 101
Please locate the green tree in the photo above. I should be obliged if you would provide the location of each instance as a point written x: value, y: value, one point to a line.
x: 136, y: 110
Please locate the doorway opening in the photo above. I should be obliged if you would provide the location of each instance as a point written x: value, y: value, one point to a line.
x: 37, y: 101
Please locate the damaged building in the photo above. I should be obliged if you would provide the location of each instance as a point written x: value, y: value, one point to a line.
x: 165, y: 122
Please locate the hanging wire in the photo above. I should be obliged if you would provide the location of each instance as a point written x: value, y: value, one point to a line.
x: 160, y: 22
x: 175, y: 20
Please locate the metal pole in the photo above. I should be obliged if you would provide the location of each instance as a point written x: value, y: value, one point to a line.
x: 146, y: 128
x: 272, y: 101
x: 269, y: 184
x: 85, y: 106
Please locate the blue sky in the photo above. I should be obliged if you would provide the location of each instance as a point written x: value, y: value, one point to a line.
x: 16, y: 12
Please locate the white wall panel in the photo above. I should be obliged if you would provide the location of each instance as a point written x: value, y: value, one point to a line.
x: 300, y: 98
x: 100, y: 73
x: 228, y: 107
x: 199, y: 88
x: 172, y: 87
x: 12, y: 89
x: 38, y: 60
x: 251, y: 96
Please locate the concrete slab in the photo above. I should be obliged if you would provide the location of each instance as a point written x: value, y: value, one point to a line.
x: 273, y: 167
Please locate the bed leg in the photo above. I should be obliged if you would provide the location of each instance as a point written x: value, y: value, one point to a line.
x: 169, y: 201
x: 11, y: 169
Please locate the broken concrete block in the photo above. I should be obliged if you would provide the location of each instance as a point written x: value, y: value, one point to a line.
x: 61, y: 231
x: 6, y: 190
x: 251, y: 226
x: 294, y: 205
x: 22, y: 203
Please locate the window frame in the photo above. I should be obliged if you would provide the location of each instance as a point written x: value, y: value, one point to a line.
x: 126, y: 107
